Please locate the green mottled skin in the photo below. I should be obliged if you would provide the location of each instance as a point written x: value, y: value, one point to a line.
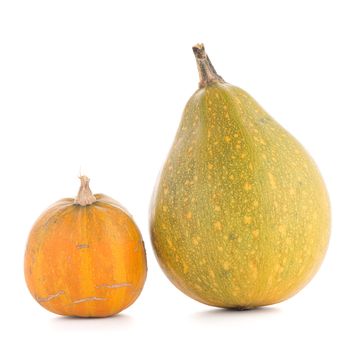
x: 240, y: 216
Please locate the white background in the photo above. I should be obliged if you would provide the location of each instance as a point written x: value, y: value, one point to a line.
x: 99, y: 87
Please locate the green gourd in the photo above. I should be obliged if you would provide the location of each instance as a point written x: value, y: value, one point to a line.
x: 240, y: 216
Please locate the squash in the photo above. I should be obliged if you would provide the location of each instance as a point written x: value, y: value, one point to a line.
x: 85, y: 257
x: 240, y: 216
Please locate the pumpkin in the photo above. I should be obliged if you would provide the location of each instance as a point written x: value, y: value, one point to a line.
x: 240, y: 216
x: 85, y: 257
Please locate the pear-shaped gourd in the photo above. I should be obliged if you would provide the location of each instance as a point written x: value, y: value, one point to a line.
x: 240, y: 216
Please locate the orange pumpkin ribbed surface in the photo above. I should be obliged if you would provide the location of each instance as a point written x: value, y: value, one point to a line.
x: 85, y: 257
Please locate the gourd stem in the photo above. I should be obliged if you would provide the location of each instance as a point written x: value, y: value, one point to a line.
x: 207, y: 73
x: 85, y: 196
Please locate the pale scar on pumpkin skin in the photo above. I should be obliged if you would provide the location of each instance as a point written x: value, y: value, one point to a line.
x: 50, y: 297
x: 116, y: 285
x: 88, y: 299
x: 81, y: 246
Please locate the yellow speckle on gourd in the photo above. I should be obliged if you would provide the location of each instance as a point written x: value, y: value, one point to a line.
x: 185, y: 267
x: 217, y: 225
x: 255, y: 233
x: 253, y: 269
x: 247, y: 220
x: 211, y: 273
x: 196, y: 240
x: 247, y: 186
x: 226, y: 265
x: 272, y: 181
x: 170, y: 243
x: 282, y: 229
x: 197, y: 286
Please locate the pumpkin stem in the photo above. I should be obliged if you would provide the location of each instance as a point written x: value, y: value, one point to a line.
x: 207, y: 73
x: 85, y: 196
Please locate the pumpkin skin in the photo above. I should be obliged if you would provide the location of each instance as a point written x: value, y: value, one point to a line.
x: 240, y: 216
x: 86, y: 261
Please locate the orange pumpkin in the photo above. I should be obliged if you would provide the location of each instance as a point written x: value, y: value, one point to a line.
x: 85, y: 257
